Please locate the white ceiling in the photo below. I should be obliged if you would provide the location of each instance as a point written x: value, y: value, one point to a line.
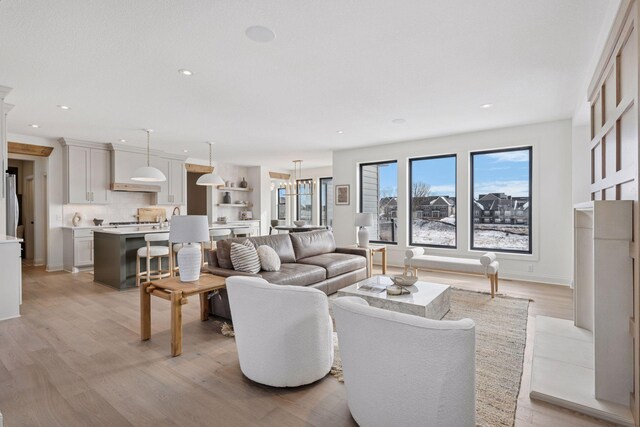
x: 334, y: 65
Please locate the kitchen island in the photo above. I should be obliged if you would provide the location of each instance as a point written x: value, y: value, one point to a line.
x: 115, y: 251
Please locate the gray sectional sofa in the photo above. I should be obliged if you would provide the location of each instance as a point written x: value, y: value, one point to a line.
x: 308, y: 259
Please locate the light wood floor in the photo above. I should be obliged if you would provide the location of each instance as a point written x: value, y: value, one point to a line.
x: 74, y: 358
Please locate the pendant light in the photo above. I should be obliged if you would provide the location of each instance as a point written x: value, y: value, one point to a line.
x: 210, y: 179
x: 148, y: 173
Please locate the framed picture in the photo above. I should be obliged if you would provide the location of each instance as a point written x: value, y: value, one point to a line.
x: 342, y: 194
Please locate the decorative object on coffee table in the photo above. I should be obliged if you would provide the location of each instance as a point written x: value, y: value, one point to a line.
x: 342, y: 194
x: 189, y: 229
x: 363, y: 220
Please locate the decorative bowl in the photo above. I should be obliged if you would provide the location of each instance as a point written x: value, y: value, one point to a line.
x: 299, y: 223
x: 98, y: 222
x: 401, y: 280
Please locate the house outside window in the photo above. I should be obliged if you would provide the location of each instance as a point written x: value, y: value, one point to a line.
x: 432, y: 181
x: 501, y: 183
x: 379, y: 196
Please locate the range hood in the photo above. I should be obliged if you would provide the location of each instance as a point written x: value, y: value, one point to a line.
x: 124, y: 160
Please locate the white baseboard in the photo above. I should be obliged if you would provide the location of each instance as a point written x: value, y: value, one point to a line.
x: 53, y: 268
x: 10, y: 317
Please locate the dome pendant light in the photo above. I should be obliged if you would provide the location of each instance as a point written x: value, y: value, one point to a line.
x: 148, y: 173
x: 210, y: 179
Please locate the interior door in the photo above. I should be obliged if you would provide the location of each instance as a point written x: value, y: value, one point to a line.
x: 29, y: 228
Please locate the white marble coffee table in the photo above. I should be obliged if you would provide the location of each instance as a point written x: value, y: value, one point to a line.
x: 430, y: 300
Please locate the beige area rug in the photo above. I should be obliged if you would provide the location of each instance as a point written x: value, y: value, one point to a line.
x: 501, y: 335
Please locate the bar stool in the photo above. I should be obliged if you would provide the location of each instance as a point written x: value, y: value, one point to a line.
x: 150, y: 252
x: 242, y: 232
x: 214, y: 235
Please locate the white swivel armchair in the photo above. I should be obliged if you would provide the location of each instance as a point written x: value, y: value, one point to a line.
x: 405, y: 370
x: 284, y: 334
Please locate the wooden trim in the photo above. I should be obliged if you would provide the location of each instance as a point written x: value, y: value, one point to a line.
x: 278, y: 175
x: 192, y: 167
x: 141, y: 188
x: 29, y: 149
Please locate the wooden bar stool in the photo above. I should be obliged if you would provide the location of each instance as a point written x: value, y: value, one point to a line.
x: 150, y: 252
x: 214, y: 235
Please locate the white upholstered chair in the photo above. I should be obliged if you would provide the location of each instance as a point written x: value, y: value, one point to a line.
x: 283, y: 333
x: 405, y: 370
x: 149, y: 253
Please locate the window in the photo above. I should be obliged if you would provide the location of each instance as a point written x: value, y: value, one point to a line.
x: 501, y: 195
x: 282, y: 203
x: 326, y: 201
x: 304, y: 200
x: 432, y: 205
x: 379, y: 196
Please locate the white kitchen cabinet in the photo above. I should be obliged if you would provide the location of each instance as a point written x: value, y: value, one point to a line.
x: 78, y: 249
x: 11, y: 283
x: 172, y: 191
x: 87, y: 172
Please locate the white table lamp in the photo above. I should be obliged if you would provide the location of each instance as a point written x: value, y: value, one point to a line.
x: 189, y: 229
x: 363, y: 220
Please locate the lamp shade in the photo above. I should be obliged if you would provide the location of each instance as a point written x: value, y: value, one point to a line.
x: 364, y: 219
x: 189, y: 229
x: 212, y: 179
x: 148, y: 174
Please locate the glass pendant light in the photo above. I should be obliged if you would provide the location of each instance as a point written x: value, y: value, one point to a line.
x: 148, y: 173
x: 210, y: 179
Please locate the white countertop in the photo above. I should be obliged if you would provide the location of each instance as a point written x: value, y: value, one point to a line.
x: 9, y: 239
x: 149, y: 229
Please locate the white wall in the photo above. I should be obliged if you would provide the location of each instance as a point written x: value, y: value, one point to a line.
x: 551, y: 260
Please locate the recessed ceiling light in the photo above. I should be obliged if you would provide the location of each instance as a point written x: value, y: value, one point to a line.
x: 123, y: 140
x: 34, y: 126
x: 185, y: 151
x: 185, y: 72
x: 398, y: 121
x: 260, y: 34
x: 486, y: 106
x: 340, y: 132
x: 64, y: 107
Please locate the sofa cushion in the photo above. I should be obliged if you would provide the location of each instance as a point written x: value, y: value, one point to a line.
x: 335, y: 263
x: 269, y: 259
x: 295, y: 274
x: 281, y: 243
x: 244, y: 257
x: 311, y: 243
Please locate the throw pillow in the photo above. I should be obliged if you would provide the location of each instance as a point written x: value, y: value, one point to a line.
x: 269, y: 259
x: 244, y: 257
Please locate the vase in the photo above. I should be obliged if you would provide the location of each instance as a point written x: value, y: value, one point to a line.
x: 226, y: 199
x: 243, y: 183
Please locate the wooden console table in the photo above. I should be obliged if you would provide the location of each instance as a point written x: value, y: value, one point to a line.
x: 177, y: 292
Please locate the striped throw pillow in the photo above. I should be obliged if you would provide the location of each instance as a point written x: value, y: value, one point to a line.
x: 244, y: 257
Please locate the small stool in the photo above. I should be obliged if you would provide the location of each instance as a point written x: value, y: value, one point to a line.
x: 242, y: 232
x: 214, y: 235
x: 149, y: 252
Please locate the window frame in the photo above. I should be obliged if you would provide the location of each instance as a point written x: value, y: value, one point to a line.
x: 298, y: 181
x: 278, y: 204
x: 472, y: 154
x: 361, y: 195
x: 320, y: 180
x: 410, y: 189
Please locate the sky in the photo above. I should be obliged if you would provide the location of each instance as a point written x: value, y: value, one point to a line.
x: 505, y: 172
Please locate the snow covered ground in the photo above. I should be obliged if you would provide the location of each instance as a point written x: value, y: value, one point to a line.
x: 443, y: 233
